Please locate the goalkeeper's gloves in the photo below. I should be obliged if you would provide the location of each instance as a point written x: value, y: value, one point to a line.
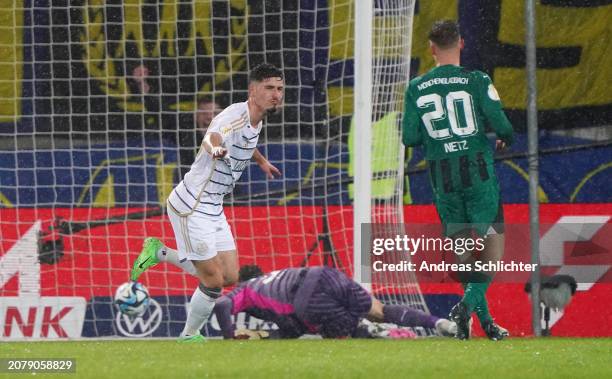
x: 247, y: 334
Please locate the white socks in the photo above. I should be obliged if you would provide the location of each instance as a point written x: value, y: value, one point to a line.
x: 200, y: 307
x: 166, y: 254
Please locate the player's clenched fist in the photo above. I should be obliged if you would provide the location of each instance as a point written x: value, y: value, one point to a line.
x: 218, y: 152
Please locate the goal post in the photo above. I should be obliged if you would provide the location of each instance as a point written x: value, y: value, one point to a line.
x: 364, y: 13
x: 383, y: 36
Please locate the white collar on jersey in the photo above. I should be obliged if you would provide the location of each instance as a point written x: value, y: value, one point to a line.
x: 251, y: 128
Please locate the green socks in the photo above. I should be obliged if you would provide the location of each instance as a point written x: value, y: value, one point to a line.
x: 474, y: 296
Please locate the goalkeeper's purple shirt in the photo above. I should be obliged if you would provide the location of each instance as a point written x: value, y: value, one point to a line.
x: 280, y: 297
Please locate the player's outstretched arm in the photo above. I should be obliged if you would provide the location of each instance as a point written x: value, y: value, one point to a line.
x: 223, y: 311
x: 268, y: 168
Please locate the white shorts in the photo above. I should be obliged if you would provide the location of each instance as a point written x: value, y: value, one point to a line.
x: 200, y: 237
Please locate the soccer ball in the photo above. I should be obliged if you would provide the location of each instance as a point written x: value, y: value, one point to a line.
x: 132, y: 299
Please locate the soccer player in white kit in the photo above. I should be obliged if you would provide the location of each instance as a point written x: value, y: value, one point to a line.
x: 195, y: 206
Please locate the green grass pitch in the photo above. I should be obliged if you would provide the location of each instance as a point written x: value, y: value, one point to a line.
x: 390, y: 359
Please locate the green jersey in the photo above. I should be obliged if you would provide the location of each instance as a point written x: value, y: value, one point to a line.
x: 446, y: 110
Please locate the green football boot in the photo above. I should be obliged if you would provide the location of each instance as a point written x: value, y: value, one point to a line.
x: 196, y: 338
x: 147, y: 257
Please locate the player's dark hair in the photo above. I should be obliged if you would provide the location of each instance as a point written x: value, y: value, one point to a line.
x: 248, y: 272
x: 265, y: 71
x: 444, y: 33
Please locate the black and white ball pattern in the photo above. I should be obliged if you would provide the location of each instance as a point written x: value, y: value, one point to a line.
x: 132, y: 298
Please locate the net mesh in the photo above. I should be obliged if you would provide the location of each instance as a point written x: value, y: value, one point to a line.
x: 391, y: 45
x: 102, y: 106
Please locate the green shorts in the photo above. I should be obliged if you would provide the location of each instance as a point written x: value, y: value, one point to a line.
x: 476, y: 208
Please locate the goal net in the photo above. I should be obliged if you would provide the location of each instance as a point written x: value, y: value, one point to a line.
x: 101, y: 109
x: 391, y: 47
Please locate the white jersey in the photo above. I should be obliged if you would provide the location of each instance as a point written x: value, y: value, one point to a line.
x: 209, y: 180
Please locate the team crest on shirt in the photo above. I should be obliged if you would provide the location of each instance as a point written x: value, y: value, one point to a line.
x: 492, y: 92
x: 226, y: 129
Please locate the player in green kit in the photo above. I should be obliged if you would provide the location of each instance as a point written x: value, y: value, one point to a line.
x: 446, y: 110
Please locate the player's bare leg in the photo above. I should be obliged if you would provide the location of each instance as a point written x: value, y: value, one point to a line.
x: 229, y: 265
x: 202, y: 301
x: 493, y: 248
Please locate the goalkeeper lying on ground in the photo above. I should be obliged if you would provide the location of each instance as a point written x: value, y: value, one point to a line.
x: 314, y: 300
x: 298, y: 300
